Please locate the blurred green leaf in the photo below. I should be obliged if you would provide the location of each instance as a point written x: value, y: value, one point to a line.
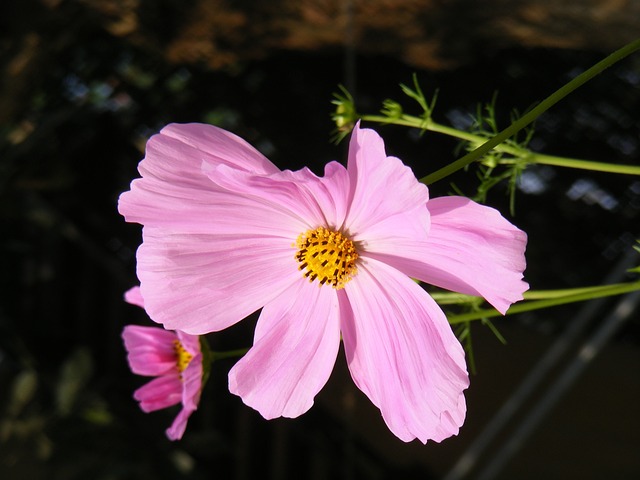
x: 74, y: 375
x: 22, y: 392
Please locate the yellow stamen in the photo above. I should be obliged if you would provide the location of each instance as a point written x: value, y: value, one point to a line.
x: 326, y: 255
x: 183, y: 358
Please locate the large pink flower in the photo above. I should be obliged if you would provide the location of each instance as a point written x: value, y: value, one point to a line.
x: 175, y: 358
x: 226, y: 233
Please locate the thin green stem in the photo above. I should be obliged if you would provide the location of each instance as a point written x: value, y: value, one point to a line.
x: 564, y: 292
x: 422, y: 124
x: 453, y: 298
x: 526, y: 306
x: 228, y: 354
x: 404, y: 121
x: 518, y: 152
x: 584, y: 164
x: 530, y: 116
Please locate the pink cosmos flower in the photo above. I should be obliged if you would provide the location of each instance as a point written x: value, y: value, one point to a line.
x: 174, y: 358
x: 226, y: 233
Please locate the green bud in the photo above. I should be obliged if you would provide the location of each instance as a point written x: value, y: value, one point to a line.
x: 391, y: 109
x: 345, y: 115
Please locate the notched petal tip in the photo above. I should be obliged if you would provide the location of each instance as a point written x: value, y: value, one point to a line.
x: 295, y: 348
x: 380, y: 186
x: 470, y: 249
x: 403, y: 355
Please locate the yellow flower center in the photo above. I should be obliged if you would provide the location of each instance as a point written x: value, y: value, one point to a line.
x: 183, y: 358
x: 326, y: 255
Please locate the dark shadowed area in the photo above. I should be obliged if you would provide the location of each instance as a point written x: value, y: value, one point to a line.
x: 84, y: 83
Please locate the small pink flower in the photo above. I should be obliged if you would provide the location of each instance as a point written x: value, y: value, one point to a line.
x: 175, y: 358
x: 226, y: 233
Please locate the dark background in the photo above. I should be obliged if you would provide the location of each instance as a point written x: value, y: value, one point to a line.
x: 84, y: 83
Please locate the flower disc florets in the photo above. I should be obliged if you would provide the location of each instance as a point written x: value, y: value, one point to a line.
x: 327, y: 255
x: 183, y: 357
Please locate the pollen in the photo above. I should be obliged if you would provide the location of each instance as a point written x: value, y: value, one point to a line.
x: 183, y: 358
x: 327, y: 256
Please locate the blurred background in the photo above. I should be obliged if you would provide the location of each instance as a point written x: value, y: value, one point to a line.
x: 84, y: 83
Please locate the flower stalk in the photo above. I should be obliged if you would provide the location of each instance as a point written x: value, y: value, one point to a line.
x: 517, y: 153
x: 481, y: 145
x: 536, y: 300
x: 534, y: 113
x: 215, y: 356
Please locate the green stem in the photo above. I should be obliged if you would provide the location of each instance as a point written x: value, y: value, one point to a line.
x: 453, y: 298
x: 228, y: 354
x: 526, y: 306
x: 404, y: 121
x: 428, y: 124
x: 518, y: 152
x: 529, y: 117
x: 564, y: 292
x: 584, y: 164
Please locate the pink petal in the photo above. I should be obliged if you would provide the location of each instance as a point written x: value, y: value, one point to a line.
x: 159, y: 393
x: 403, y: 355
x: 134, y: 297
x: 202, y: 210
x: 295, y: 348
x: 333, y: 194
x: 192, y: 383
x: 204, y: 283
x: 150, y: 350
x: 381, y: 186
x: 192, y: 374
x: 191, y: 343
x: 218, y: 146
x: 174, y: 189
x: 179, y: 425
x: 470, y: 249
x: 310, y: 199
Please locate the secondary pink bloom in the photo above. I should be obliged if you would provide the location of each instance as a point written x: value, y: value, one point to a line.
x: 226, y: 233
x: 174, y: 358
